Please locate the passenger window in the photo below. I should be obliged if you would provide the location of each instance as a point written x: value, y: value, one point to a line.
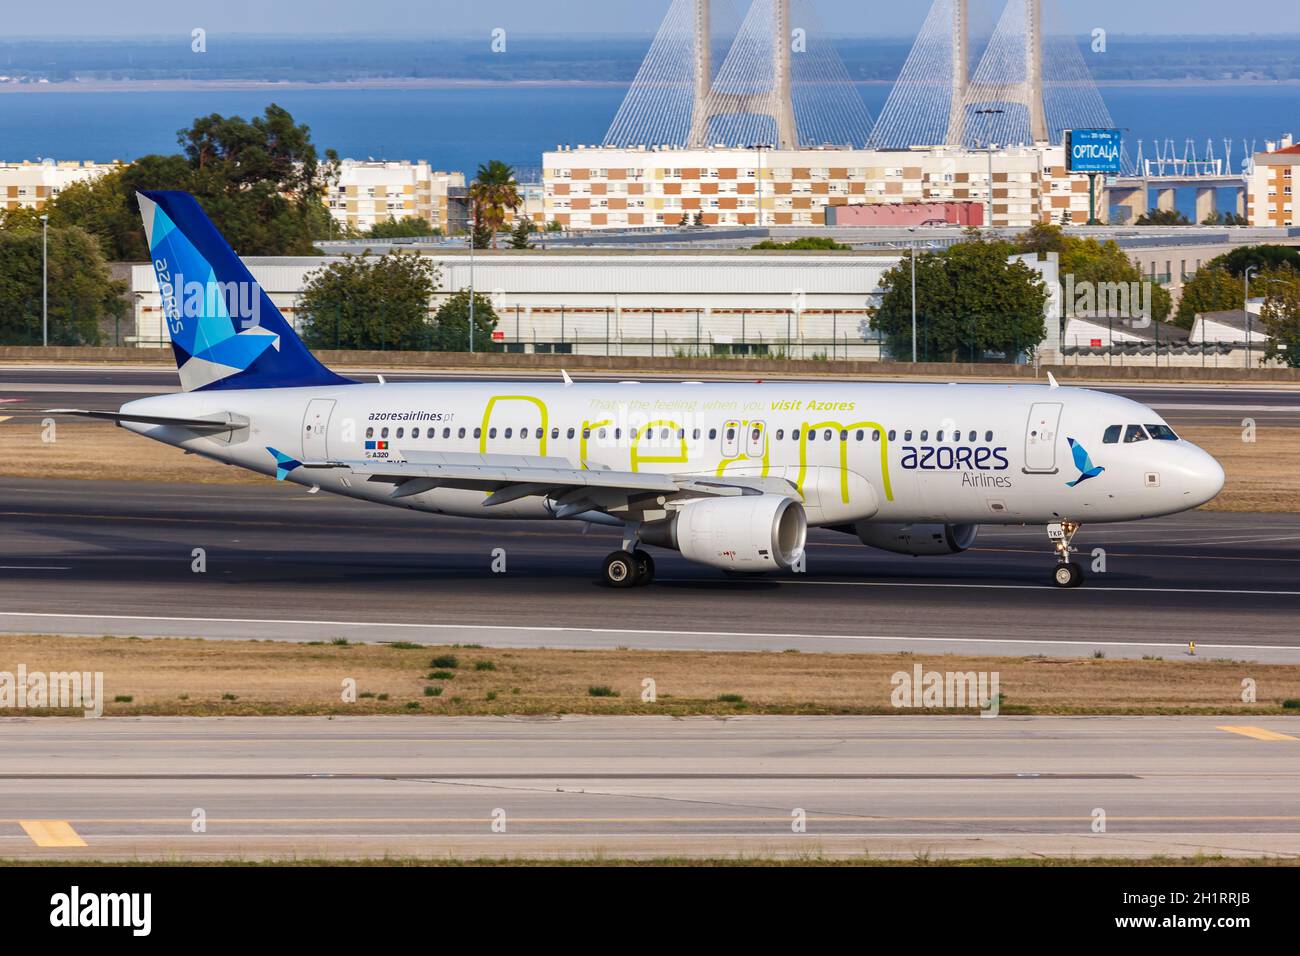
x: 1134, y: 434
x: 757, y: 444
x: 492, y: 433
x: 988, y: 436
x: 939, y: 437
x: 892, y: 434
x: 974, y: 435
x: 695, y: 434
x: 478, y: 433
x: 1162, y: 433
x: 384, y: 433
x: 907, y: 435
x: 731, y: 440
x: 780, y: 434
x: 370, y: 433
x: 812, y: 434
x: 795, y: 434
x: 415, y: 433
x: 681, y: 434
x: 461, y: 433
x: 713, y: 433
x: 875, y: 435
x: 510, y: 433
x: 925, y: 435
x: 1112, y: 435
x: 540, y: 433
x: 555, y: 433
x: 586, y: 433
x: 570, y: 434
x: 861, y: 434
x: 828, y: 434
x: 446, y: 433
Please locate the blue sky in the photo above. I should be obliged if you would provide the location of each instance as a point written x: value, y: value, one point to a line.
x: 91, y: 18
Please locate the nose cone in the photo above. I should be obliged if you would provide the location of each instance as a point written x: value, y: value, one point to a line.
x: 1202, y: 477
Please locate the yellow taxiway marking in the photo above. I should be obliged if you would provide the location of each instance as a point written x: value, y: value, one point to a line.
x: 5, y: 418
x: 51, y: 833
x: 1258, y: 733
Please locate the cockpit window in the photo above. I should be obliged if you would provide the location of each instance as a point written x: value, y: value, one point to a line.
x: 1161, y: 433
x: 1112, y: 435
x: 1135, y: 433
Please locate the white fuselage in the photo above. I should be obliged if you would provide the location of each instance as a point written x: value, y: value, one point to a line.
x: 955, y: 454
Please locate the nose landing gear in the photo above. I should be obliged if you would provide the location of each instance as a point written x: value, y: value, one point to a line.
x: 1067, y: 573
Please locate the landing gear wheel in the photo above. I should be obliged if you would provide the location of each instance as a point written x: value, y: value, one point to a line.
x: 645, y: 568
x: 1067, y: 575
x: 621, y: 569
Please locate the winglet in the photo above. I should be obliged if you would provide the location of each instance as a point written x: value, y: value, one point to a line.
x: 284, y: 464
x: 1052, y: 382
x: 567, y: 381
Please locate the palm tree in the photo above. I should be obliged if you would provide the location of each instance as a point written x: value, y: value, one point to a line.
x: 492, y: 193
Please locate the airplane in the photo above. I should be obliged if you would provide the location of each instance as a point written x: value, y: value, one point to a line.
x: 730, y: 475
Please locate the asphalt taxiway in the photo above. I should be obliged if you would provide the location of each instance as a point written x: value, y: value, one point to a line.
x: 890, y: 787
x: 94, y: 558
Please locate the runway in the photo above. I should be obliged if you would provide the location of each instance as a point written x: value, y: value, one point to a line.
x: 31, y: 389
x: 891, y: 787
x: 95, y: 558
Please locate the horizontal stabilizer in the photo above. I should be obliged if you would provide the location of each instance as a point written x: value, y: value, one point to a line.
x: 225, y: 423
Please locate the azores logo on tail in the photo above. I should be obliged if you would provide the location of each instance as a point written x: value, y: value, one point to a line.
x: 1082, y: 461
x: 225, y: 331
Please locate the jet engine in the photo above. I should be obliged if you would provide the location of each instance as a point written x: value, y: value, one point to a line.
x: 918, y: 540
x: 743, y: 533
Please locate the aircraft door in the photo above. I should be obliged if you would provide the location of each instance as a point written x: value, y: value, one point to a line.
x: 1040, y: 438
x: 315, y: 429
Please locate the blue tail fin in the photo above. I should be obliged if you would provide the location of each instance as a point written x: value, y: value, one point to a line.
x: 225, y: 331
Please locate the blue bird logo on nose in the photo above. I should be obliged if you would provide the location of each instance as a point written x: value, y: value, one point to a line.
x: 1082, y: 461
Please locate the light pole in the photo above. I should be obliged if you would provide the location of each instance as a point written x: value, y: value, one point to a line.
x: 473, y: 228
x: 1249, y: 270
x: 45, y: 281
x: 912, y: 229
x: 988, y: 146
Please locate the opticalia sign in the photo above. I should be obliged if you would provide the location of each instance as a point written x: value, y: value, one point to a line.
x: 1094, y: 150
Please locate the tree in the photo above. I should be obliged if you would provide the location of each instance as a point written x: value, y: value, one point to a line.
x: 519, y: 235
x: 805, y: 244
x: 1212, y: 289
x: 555, y: 226
x: 261, y: 182
x: 1225, y: 219
x: 1087, y: 260
x: 699, y: 218
x: 1162, y: 217
x: 1262, y: 258
x: 970, y: 301
x: 494, y: 194
x: 451, y: 324
x: 409, y: 227
x: 1280, y: 316
x: 81, y: 291
x: 370, y: 302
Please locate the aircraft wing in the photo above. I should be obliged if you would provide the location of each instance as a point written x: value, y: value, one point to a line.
x: 510, y: 477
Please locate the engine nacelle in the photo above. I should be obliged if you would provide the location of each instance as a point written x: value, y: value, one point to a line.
x: 743, y: 533
x: 917, y: 540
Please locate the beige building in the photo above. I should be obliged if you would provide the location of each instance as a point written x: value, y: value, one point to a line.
x: 1270, y: 196
x: 29, y: 185
x: 606, y: 188
x: 370, y: 192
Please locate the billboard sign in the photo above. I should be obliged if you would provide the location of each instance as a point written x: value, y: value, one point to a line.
x: 1094, y: 151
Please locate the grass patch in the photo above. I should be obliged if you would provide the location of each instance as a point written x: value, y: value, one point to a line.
x: 192, y: 677
x: 484, y: 666
x: 404, y: 646
x: 445, y: 662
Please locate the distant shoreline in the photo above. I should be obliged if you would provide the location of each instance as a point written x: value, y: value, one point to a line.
x: 235, y: 86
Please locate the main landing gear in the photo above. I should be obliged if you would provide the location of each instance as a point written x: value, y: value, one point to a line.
x: 629, y: 569
x: 1067, y: 573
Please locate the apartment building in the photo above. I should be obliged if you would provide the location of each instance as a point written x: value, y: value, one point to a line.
x: 370, y: 192
x: 1270, y: 197
x: 30, y: 185
x: 606, y: 188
